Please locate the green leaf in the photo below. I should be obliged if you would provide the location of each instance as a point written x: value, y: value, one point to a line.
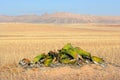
x: 68, y: 61
x: 65, y: 61
x: 72, y: 53
x: 97, y: 60
x: 82, y: 52
x: 38, y: 58
x: 67, y: 46
x: 48, y: 61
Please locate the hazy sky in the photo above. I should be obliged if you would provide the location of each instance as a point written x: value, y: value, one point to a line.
x: 93, y: 7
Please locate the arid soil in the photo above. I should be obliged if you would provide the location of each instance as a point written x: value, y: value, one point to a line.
x: 86, y: 72
x: 19, y: 41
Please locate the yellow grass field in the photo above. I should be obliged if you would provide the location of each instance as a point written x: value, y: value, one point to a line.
x: 22, y: 40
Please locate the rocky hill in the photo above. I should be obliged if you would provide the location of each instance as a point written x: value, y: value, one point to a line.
x: 61, y: 17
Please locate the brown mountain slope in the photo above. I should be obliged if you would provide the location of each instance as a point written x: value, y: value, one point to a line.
x: 61, y: 17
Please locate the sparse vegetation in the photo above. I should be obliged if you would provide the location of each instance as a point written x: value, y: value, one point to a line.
x: 28, y: 40
x: 67, y: 55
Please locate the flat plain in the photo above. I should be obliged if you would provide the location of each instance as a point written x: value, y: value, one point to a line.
x: 25, y: 40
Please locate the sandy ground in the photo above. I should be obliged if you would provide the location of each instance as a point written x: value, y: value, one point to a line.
x: 86, y: 72
x: 28, y: 40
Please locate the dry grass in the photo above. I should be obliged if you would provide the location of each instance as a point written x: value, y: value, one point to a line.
x: 28, y: 40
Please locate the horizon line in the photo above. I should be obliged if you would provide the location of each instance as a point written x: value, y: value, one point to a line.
x: 40, y: 14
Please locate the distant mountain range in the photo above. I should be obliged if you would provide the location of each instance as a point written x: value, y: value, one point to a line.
x: 61, y: 17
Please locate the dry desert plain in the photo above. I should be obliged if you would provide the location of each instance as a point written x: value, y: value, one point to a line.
x: 23, y: 40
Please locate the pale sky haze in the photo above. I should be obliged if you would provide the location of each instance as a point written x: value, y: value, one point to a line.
x: 92, y: 7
